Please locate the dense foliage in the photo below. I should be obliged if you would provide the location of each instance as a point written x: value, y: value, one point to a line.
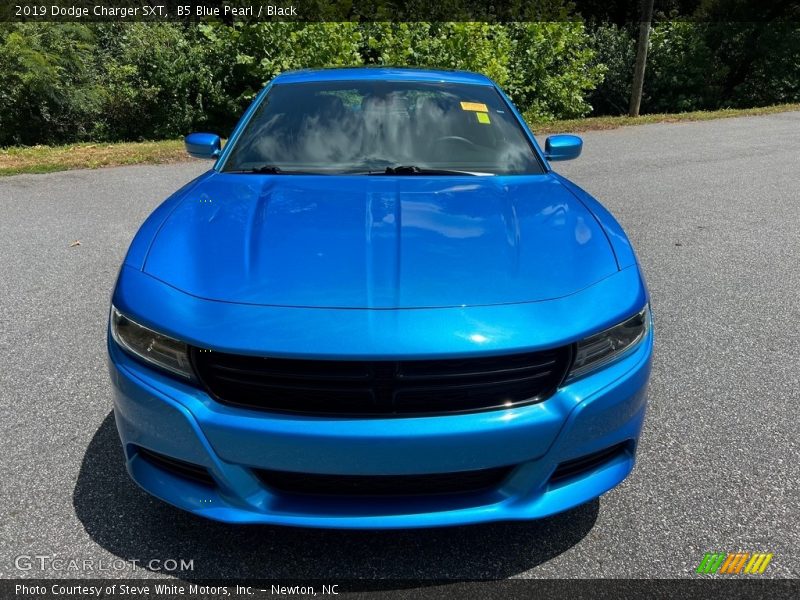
x: 69, y: 82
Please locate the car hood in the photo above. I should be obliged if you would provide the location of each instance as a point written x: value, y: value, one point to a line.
x: 379, y: 242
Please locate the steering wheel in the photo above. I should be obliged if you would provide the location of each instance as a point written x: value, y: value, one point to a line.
x: 454, y: 138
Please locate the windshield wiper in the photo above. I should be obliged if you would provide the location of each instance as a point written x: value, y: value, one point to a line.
x: 268, y: 169
x: 397, y: 170
x: 272, y: 170
x: 415, y: 170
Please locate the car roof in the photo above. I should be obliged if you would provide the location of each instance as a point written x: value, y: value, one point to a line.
x: 382, y: 73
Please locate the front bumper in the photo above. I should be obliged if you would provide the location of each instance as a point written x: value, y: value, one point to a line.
x: 158, y: 413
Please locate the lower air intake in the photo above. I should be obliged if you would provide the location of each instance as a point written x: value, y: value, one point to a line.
x: 584, y: 464
x: 180, y: 468
x: 384, y: 485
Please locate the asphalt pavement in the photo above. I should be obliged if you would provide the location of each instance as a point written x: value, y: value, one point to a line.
x: 713, y: 211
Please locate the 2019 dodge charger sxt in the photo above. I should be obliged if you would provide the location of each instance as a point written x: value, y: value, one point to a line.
x: 380, y: 308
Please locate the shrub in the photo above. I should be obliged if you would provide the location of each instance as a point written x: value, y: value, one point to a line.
x: 614, y: 49
x: 759, y: 63
x: 64, y: 82
x: 551, y: 69
x: 154, y: 79
x: 48, y: 89
x: 681, y: 73
x: 481, y: 47
x: 243, y: 58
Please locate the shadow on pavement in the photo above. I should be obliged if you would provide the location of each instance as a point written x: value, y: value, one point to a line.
x: 127, y: 522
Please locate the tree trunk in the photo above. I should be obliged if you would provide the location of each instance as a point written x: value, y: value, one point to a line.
x: 646, y: 15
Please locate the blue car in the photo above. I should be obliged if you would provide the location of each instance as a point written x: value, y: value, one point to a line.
x: 381, y: 308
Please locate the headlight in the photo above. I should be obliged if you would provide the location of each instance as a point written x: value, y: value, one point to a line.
x: 155, y: 348
x: 602, y: 348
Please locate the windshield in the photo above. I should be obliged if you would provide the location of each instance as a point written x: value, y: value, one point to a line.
x: 380, y: 127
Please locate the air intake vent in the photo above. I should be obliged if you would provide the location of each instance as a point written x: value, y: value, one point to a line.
x: 177, y: 467
x: 589, y: 462
x: 384, y: 485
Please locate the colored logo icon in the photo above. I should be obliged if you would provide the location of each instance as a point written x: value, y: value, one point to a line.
x: 735, y: 563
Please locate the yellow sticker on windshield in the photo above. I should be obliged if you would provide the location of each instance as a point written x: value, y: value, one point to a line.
x: 483, y: 118
x: 476, y: 106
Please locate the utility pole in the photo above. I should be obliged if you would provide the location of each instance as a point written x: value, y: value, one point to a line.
x: 645, y: 17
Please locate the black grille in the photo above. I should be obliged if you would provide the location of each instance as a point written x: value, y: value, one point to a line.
x: 381, y: 387
x: 177, y: 467
x: 384, y: 485
x: 584, y: 464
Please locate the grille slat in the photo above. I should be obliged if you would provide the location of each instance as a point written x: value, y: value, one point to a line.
x: 574, y: 467
x: 449, y: 385
x: 181, y: 468
x: 384, y: 485
x: 244, y: 372
x: 281, y: 385
x: 380, y: 388
x: 252, y: 366
x: 415, y: 371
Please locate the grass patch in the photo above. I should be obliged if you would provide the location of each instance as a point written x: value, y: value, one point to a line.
x: 46, y: 159
x: 600, y: 123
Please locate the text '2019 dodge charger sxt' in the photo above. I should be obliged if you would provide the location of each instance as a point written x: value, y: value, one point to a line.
x: 380, y: 308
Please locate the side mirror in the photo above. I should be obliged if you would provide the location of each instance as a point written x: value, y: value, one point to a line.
x: 562, y: 147
x: 203, y: 145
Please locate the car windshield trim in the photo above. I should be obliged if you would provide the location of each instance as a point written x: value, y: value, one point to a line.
x: 515, y: 141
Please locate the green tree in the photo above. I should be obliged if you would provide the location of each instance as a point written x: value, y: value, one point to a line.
x: 681, y: 72
x: 758, y: 62
x: 481, y: 47
x: 615, y: 51
x: 48, y: 88
x: 243, y: 58
x: 551, y: 69
x: 156, y: 80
